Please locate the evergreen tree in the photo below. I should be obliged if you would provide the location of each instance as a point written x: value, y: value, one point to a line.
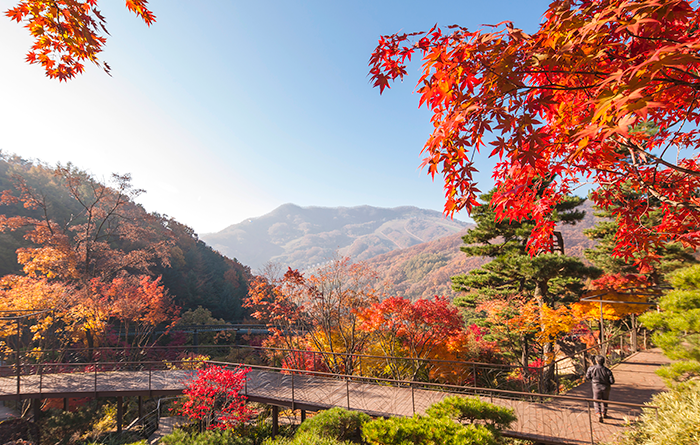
x: 551, y: 278
x: 677, y: 325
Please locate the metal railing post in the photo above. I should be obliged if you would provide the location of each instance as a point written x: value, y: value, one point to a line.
x: 19, y: 369
x: 590, y: 421
x: 413, y: 399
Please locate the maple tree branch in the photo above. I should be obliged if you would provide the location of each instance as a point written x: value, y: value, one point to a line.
x: 676, y: 81
x: 650, y: 187
x: 658, y: 160
x: 653, y: 39
x: 688, y: 73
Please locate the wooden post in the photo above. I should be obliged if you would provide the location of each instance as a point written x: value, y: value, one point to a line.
x: 275, y: 420
x: 303, y: 415
x: 645, y: 339
x: 141, y: 407
x: 602, y: 336
x: 36, y: 408
x: 413, y: 399
x: 65, y: 404
x: 120, y: 413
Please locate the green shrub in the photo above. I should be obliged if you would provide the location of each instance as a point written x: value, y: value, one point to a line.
x: 307, y: 438
x: 425, y: 431
x: 471, y: 409
x: 211, y: 437
x: 123, y: 442
x: 677, y: 422
x: 336, y: 423
x: 441, y: 426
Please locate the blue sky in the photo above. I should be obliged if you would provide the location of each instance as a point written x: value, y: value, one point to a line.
x: 224, y: 110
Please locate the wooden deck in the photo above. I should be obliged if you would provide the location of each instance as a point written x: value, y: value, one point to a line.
x: 557, y: 420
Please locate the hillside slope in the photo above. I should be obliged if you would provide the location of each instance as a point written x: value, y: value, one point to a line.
x: 195, y: 274
x: 424, y: 270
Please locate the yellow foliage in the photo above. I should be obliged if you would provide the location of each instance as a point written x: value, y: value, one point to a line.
x: 590, y: 310
x: 49, y: 261
x: 189, y: 362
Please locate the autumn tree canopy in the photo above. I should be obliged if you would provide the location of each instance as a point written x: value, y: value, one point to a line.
x: 318, y: 311
x: 68, y: 33
x: 606, y: 91
x: 91, y: 266
x: 424, y: 329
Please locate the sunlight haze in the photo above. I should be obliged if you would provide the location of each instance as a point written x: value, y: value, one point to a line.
x: 224, y: 110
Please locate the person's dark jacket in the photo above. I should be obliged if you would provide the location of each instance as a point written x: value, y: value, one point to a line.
x: 600, y: 375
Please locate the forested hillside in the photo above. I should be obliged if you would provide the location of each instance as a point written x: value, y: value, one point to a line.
x: 192, y: 272
x: 424, y: 270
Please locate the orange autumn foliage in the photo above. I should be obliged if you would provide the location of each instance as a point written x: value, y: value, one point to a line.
x: 622, y: 288
x: 603, y: 91
x: 423, y: 329
x: 516, y: 318
x: 68, y: 32
x: 91, y: 271
x: 319, y: 310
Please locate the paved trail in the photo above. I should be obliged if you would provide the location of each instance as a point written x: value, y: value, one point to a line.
x: 635, y: 378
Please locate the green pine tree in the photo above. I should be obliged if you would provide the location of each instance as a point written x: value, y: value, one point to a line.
x: 550, y: 277
x: 677, y: 325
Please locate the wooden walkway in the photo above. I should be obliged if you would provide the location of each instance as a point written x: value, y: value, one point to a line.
x: 556, y: 420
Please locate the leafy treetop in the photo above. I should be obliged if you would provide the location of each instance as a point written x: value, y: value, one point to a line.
x: 68, y: 32
x: 605, y: 91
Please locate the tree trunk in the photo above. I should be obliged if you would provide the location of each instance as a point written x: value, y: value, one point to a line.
x: 524, y: 355
x: 547, y: 374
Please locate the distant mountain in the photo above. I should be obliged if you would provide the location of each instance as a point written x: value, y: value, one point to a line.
x: 424, y: 270
x: 303, y: 237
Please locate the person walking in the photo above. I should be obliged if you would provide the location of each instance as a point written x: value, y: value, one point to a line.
x: 601, y: 377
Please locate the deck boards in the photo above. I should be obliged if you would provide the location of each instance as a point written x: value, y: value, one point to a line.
x: 555, y: 421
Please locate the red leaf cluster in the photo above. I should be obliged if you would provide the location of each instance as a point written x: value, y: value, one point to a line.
x: 214, y: 397
x: 606, y: 91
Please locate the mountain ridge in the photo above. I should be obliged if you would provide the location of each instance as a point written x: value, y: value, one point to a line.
x: 301, y: 237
